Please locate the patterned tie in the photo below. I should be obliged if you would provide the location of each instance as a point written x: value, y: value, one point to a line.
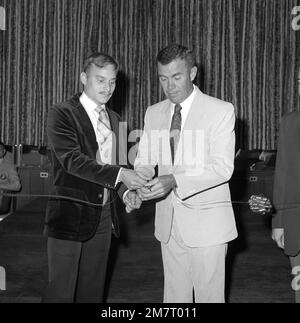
x: 104, y: 136
x: 175, y: 130
x: 104, y: 139
x: 103, y: 124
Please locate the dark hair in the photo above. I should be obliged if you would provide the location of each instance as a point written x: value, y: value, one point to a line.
x: 101, y: 60
x: 175, y: 51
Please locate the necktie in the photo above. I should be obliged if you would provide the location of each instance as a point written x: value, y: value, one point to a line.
x: 175, y: 130
x: 103, y: 125
x: 104, y: 138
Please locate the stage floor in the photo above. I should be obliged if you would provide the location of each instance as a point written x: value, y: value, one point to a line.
x: 257, y: 271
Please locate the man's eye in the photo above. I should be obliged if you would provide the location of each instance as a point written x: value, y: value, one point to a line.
x: 177, y: 78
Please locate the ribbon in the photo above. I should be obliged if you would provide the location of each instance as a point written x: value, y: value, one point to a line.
x: 63, y: 197
x: 257, y: 203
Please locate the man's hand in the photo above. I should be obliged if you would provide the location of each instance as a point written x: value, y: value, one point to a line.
x: 144, y: 173
x: 278, y: 237
x: 131, y: 179
x: 132, y: 201
x: 260, y: 204
x: 158, y: 187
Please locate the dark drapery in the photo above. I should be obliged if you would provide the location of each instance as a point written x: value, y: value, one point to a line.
x: 247, y: 51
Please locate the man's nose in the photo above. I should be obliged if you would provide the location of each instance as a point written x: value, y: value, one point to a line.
x: 170, y: 85
x: 107, y: 87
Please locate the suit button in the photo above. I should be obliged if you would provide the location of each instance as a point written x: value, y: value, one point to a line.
x: 100, y: 196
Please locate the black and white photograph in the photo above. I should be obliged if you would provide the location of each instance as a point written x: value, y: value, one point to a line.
x: 149, y: 154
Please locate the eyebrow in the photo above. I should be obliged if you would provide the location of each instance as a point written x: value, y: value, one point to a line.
x: 104, y: 78
x: 176, y: 74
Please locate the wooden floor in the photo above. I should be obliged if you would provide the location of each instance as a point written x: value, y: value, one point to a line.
x: 257, y: 271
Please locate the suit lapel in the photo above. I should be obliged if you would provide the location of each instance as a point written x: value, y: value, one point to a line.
x: 190, y: 126
x: 165, y: 156
x: 87, y: 126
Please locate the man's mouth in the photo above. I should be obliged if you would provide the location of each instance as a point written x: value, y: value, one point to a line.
x: 105, y: 94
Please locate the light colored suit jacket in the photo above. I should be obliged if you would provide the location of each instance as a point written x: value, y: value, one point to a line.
x: 202, y: 168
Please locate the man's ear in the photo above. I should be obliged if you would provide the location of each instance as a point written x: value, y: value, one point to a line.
x: 193, y: 73
x: 83, y: 78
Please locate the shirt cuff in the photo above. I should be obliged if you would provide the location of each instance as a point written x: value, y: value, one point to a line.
x: 118, y: 177
x: 125, y: 194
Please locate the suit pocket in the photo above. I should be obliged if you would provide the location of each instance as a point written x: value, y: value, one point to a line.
x: 64, y: 212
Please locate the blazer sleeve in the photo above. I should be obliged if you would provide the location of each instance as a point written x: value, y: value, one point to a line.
x: 218, y: 167
x: 64, y: 141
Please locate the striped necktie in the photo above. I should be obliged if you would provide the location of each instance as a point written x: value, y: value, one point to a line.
x: 104, y: 139
x: 103, y: 124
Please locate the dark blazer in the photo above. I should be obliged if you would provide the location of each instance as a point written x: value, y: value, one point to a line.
x: 286, y: 195
x: 77, y: 174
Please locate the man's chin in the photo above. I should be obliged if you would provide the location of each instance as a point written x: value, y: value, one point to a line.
x: 174, y: 99
x: 103, y: 100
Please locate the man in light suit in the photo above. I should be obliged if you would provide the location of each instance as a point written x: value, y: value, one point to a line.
x: 190, y: 136
x: 83, y: 135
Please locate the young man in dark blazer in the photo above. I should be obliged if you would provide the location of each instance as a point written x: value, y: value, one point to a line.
x: 83, y: 135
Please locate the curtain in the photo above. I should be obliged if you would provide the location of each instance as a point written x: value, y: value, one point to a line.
x: 247, y: 51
